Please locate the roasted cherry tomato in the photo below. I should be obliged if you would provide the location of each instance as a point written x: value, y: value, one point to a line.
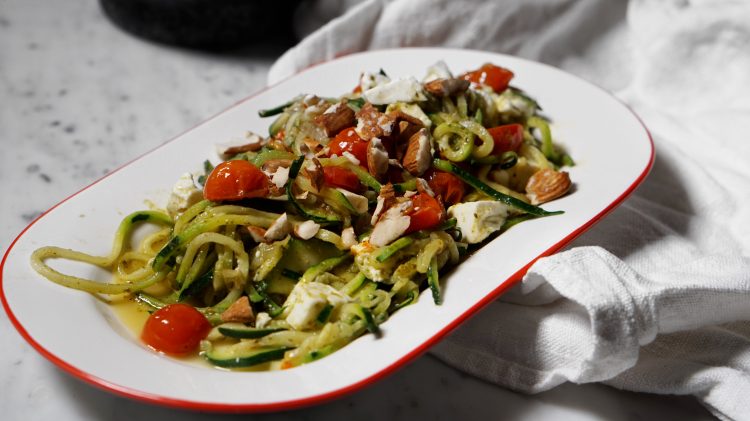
x: 493, y: 76
x: 235, y: 180
x: 341, y: 177
x: 507, y: 138
x: 426, y: 212
x: 349, y: 141
x: 446, y: 185
x: 175, y: 329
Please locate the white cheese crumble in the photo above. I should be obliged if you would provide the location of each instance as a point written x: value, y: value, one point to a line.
x: 262, y: 320
x: 307, y: 229
x: 280, y: 177
x: 370, y: 80
x: 438, y: 70
x: 307, y: 300
x: 184, y: 194
x: 477, y: 220
x: 399, y: 90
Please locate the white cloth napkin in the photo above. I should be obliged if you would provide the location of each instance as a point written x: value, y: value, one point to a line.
x: 656, y: 297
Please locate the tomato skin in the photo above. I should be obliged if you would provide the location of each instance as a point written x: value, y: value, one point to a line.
x: 507, y: 138
x: 349, y: 141
x: 426, y: 212
x: 175, y: 329
x: 235, y: 180
x: 446, y: 185
x: 341, y: 177
x: 493, y: 76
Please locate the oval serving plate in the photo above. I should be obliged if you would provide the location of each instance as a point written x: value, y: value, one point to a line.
x: 612, y: 149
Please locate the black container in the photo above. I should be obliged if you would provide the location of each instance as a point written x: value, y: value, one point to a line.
x: 206, y: 24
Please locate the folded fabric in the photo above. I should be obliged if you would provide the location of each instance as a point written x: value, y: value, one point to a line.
x: 656, y: 297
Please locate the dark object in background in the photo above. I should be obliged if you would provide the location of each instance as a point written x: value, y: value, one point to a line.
x: 206, y: 24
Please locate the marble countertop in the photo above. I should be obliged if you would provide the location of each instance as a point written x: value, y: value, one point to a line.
x: 80, y: 98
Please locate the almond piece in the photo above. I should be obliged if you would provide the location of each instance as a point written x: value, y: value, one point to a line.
x: 280, y: 228
x: 418, y: 154
x: 386, y: 199
x: 239, y: 312
x: 407, y: 124
x: 348, y: 238
x: 272, y: 165
x: 314, y: 171
x: 377, y: 158
x: 446, y: 87
x: 258, y: 233
x: 336, y: 118
x: 306, y: 230
x: 372, y: 123
x: 547, y: 184
x: 390, y: 227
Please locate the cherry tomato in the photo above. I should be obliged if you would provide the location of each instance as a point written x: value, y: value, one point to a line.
x: 341, y: 177
x: 507, y: 138
x: 426, y: 212
x: 349, y: 141
x: 175, y: 329
x: 446, y: 185
x: 493, y: 76
x: 235, y: 180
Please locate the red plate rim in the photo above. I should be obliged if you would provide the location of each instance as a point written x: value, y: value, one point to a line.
x: 328, y: 396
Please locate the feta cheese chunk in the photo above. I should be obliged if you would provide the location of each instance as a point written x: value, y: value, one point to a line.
x: 307, y: 300
x: 370, y: 80
x: 184, y: 194
x: 399, y: 90
x: 262, y: 320
x: 438, y: 70
x: 477, y: 220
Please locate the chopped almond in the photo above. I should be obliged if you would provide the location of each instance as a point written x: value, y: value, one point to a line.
x: 279, y: 229
x: 239, y: 312
x: 314, y: 171
x: 272, y: 165
x: 248, y: 147
x: 418, y: 154
x: 386, y: 199
x: 278, y: 144
x: 446, y: 87
x: 371, y: 123
x: 336, y: 118
x: 312, y: 145
x: 547, y: 184
x: 390, y: 227
x: 377, y: 158
x: 306, y: 230
x: 257, y: 233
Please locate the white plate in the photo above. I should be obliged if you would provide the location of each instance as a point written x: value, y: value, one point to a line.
x: 612, y: 149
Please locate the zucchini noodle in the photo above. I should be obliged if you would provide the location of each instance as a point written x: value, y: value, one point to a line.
x: 456, y: 142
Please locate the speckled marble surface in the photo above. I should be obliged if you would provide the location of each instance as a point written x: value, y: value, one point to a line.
x: 79, y: 98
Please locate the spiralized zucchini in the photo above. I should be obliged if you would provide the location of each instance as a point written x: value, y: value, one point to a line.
x: 299, y: 268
